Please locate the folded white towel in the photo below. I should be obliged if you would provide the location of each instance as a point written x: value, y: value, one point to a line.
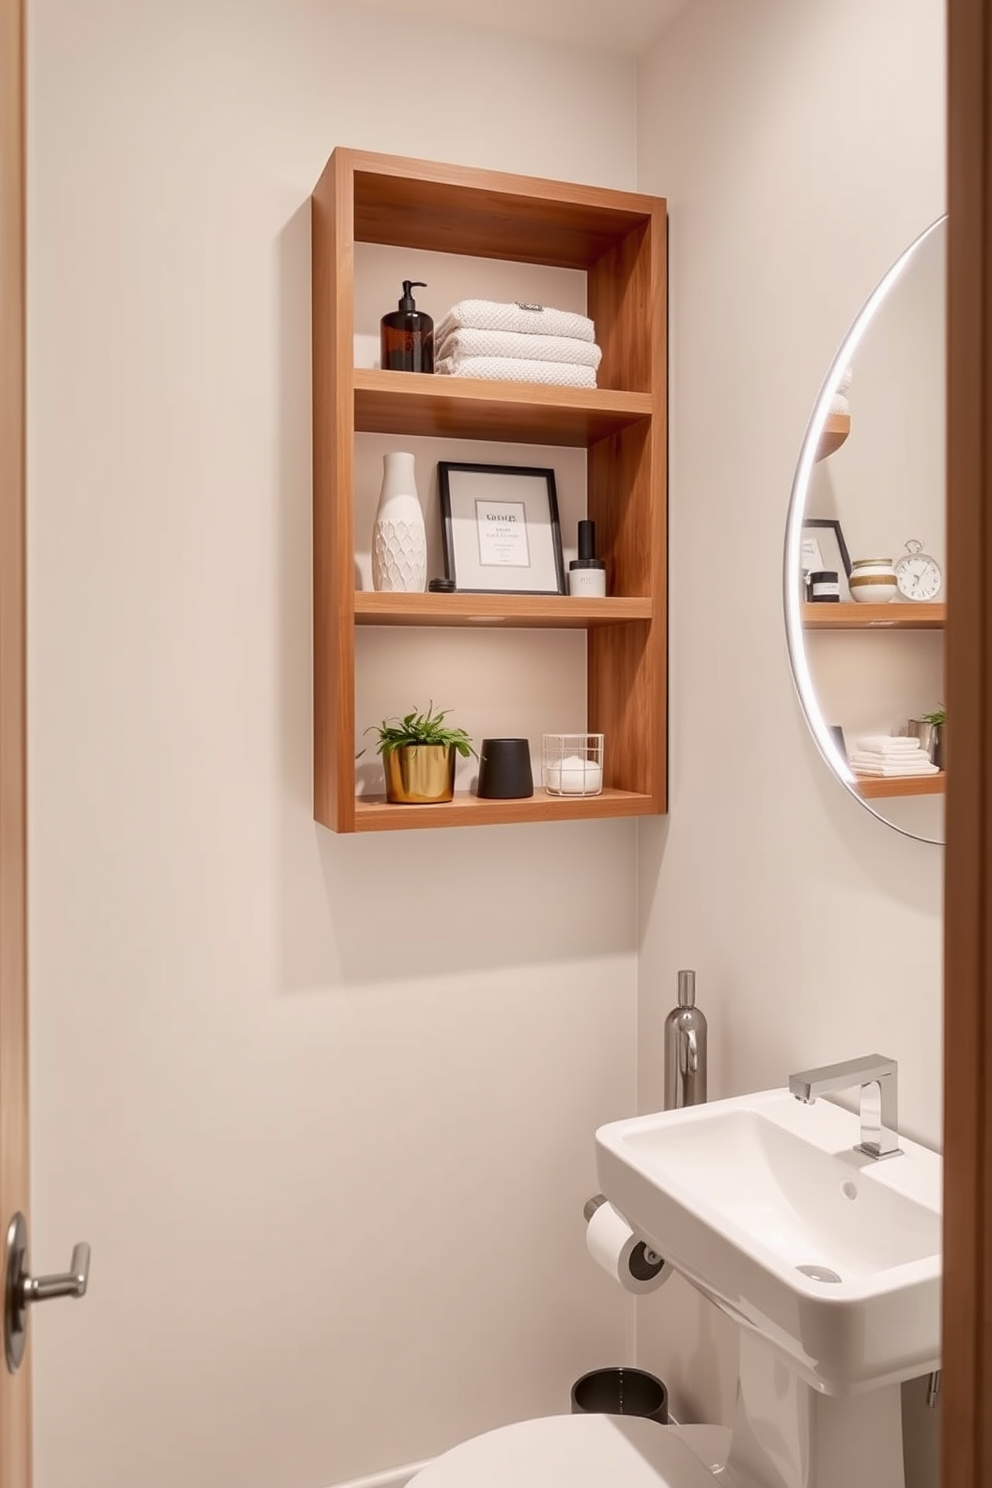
x: 889, y: 772
x: 908, y: 758
x: 470, y: 342
x: 905, y: 762
x: 518, y: 315
x: 516, y: 369
x: 845, y: 380
x: 839, y: 404
x: 889, y: 744
x: 863, y: 764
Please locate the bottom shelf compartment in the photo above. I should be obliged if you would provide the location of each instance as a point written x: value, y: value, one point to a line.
x: 375, y: 814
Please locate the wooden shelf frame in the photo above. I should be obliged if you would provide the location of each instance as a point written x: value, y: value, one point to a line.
x: 619, y: 239
x: 890, y: 616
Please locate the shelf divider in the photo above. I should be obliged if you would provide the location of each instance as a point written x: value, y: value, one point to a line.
x: 470, y: 408
x: 525, y: 611
x: 375, y: 814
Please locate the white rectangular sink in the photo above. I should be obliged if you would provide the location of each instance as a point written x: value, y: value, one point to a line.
x: 762, y: 1202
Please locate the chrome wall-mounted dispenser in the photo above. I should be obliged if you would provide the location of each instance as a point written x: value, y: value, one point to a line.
x: 685, y: 1049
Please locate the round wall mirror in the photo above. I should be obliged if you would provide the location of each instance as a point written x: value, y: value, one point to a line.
x: 865, y: 583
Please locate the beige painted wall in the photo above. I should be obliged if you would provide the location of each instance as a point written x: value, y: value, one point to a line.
x: 323, y: 1107
x: 801, y: 147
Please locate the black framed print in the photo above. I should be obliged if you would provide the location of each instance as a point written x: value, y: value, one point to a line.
x: 501, y: 529
x: 823, y: 547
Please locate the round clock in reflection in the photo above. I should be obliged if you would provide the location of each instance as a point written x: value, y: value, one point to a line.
x: 917, y: 574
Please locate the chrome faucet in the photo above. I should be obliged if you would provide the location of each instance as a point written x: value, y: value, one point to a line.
x: 879, y: 1111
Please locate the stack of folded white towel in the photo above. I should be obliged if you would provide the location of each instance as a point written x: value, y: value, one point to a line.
x: 517, y: 342
x: 839, y: 403
x: 888, y: 754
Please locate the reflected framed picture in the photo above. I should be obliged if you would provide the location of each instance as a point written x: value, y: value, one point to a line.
x: 824, y: 548
x: 837, y: 734
x: 501, y: 529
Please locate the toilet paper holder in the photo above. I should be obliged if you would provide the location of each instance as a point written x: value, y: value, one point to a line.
x: 651, y: 1257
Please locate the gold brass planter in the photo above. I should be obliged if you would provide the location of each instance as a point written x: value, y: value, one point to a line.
x: 419, y: 774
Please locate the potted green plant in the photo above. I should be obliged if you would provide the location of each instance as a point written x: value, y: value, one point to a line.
x: 938, y: 722
x: 418, y: 756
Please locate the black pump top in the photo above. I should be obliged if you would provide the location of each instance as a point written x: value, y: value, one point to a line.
x: 587, y: 547
x: 408, y: 302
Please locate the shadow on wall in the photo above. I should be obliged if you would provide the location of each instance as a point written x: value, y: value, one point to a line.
x: 441, y: 902
x: 921, y: 1429
x: 405, y: 905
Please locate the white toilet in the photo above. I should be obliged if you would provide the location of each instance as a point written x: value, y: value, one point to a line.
x: 582, y: 1451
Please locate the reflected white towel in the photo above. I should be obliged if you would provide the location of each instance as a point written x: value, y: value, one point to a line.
x: 839, y: 404
x: 517, y: 315
x: 888, y: 744
x: 845, y: 380
x: 516, y: 369
x: 474, y: 343
x: 876, y: 764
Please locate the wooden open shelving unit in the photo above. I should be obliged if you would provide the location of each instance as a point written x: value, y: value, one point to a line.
x: 619, y: 240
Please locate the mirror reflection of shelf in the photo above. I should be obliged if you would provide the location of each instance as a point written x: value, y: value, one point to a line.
x: 876, y: 787
x: 849, y: 615
x: 835, y: 431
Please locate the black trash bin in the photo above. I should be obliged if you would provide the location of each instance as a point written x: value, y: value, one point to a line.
x: 621, y: 1392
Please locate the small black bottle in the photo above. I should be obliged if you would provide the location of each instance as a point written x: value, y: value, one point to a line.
x: 406, y: 335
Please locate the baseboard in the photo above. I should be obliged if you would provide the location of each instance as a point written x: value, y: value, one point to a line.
x: 397, y: 1477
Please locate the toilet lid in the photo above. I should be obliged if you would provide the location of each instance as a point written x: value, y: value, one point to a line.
x: 592, y: 1451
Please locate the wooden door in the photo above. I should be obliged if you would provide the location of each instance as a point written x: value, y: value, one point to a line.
x: 967, y: 1340
x: 967, y: 1346
x: 15, y: 1403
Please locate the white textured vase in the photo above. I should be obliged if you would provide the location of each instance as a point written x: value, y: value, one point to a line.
x: 399, y: 538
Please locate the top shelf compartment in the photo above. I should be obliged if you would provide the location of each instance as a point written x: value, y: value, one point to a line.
x: 419, y: 204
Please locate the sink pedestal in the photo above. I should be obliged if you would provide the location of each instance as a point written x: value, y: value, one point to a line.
x: 788, y: 1435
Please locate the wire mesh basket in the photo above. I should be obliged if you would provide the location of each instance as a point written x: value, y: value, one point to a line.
x: 572, y: 764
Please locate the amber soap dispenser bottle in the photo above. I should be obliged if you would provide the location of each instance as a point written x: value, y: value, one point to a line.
x: 406, y: 335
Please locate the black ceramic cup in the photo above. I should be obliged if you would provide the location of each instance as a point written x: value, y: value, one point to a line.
x: 504, y: 769
x: 621, y: 1392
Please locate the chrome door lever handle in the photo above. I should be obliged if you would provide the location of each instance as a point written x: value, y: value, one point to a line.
x: 21, y: 1288
x: 72, y: 1284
